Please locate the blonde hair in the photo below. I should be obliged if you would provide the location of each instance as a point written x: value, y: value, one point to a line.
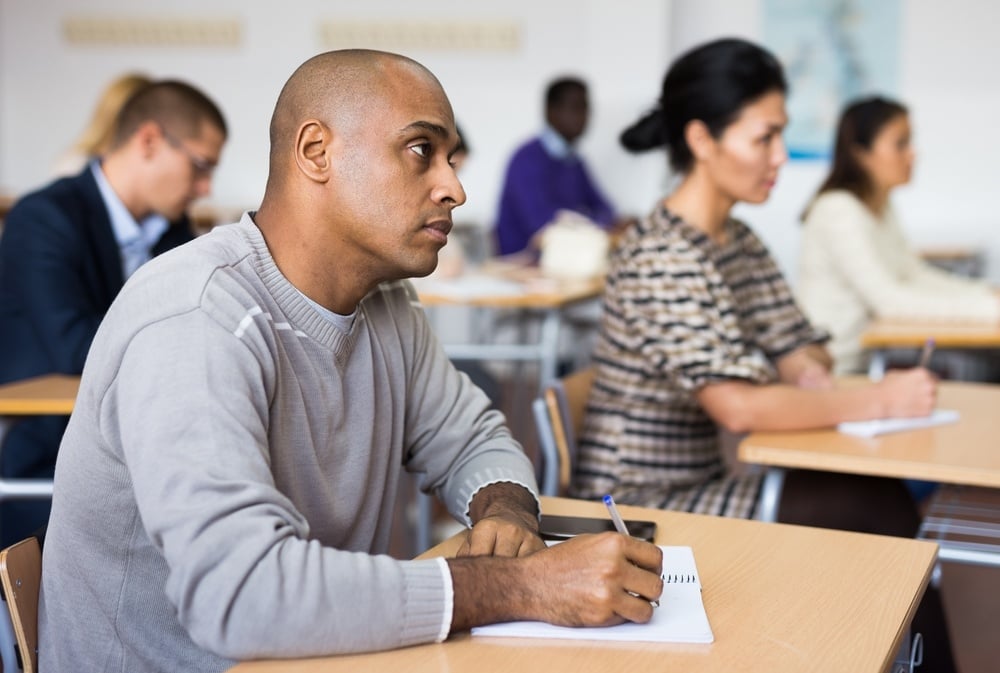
x: 97, y: 137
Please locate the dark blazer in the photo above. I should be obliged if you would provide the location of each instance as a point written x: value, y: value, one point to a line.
x: 60, y: 269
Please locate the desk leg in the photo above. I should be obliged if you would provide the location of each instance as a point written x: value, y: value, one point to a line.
x: 770, y: 495
x: 910, y: 654
x: 549, y: 347
x: 876, y: 366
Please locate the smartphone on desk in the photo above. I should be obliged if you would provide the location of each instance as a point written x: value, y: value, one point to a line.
x: 554, y: 527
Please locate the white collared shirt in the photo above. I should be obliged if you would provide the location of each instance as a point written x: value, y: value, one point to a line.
x: 555, y: 145
x: 135, y: 239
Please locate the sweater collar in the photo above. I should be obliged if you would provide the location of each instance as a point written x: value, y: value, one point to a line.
x: 299, y: 312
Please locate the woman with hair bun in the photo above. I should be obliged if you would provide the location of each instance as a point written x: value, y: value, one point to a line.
x: 700, y: 331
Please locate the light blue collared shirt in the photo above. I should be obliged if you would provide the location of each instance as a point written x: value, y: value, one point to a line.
x: 555, y: 145
x: 135, y: 239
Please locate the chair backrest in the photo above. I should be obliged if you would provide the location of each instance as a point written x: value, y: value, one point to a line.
x: 21, y: 578
x: 559, y: 415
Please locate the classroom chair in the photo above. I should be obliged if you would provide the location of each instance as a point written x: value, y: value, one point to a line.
x: 20, y: 578
x: 559, y: 413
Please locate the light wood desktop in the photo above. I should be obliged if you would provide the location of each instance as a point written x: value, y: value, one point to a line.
x: 779, y: 598
x: 962, y: 453
x: 883, y: 335
x: 957, y: 453
x: 43, y: 395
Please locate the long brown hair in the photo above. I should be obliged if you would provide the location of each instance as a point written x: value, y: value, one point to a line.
x: 860, y: 123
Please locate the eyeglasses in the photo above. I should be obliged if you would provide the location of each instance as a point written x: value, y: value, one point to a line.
x: 202, y: 166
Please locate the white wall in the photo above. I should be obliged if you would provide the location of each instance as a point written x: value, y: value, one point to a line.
x: 47, y: 87
x: 950, y: 81
x: 948, y: 76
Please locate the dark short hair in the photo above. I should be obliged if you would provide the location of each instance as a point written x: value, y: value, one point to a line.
x: 860, y: 123
x: 711, y: 83
x: 557, y: 89
x: 172, y: 104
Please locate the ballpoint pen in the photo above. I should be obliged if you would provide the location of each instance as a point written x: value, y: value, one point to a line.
x: 926, y: 353
x: 615, y: 516
x: 620, y: 527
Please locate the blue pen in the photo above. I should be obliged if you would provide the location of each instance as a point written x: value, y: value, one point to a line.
x: 620, y: 527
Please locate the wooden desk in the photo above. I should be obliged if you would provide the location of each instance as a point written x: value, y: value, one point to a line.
x: 54, y: 394
x: 526, y: 290
x: 44, y: 395
x: 883, y: 335
x: 779, y: 598
x: 960, y: 260
x: 958, y: 453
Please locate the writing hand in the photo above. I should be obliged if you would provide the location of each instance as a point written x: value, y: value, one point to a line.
x: 909, y: 393
x: 597, y: 580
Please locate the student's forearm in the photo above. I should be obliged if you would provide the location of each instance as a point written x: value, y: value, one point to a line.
x: 744, y: 407
x: 490, y: 589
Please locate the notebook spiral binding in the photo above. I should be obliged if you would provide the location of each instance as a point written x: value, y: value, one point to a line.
x: 678, y: 578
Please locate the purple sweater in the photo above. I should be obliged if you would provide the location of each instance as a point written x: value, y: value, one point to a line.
x: 535, y: 187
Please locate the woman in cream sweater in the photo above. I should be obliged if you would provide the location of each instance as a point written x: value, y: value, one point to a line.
x: 855, y: 263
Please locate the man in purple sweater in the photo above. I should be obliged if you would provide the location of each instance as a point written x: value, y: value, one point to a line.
x: 546, y: 175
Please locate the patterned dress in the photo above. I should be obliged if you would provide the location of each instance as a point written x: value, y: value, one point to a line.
x: 680, y: 312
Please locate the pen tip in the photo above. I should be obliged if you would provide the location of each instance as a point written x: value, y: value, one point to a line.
x: 607, y: 499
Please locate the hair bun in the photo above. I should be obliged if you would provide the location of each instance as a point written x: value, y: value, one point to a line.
x: 646, y: 134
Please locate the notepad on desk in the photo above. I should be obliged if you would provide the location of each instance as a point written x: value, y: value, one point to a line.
x: 881, y: 426
x: 680, y: 618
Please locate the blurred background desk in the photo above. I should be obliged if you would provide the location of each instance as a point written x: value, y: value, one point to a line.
x: 779, y: 598
x: 961, y: 260
x: 523, y: 289
x: 54, y: 394
x: 885, y: 335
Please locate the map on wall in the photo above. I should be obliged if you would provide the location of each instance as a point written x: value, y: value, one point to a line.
x: 833, y: 51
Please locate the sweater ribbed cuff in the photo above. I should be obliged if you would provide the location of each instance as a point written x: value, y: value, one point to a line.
x: 427, y: 602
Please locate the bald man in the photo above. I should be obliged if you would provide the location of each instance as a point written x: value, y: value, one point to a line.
x: 226, y: 485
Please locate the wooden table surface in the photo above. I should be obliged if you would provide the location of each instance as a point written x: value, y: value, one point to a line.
x: 50, y: 394
x: 779, y: 598
x: 965, y: 452
x: 537, y: 291
x: 900, y: 334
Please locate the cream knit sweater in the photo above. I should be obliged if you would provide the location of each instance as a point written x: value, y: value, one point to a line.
x: 855, y: 267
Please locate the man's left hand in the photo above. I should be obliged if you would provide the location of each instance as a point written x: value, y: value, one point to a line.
x: 505, y: 518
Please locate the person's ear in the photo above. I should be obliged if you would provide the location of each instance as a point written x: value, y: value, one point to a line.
x: 862, y: 157
x: 147, y: 137
x: 699, y: 139
x: 312, y: 150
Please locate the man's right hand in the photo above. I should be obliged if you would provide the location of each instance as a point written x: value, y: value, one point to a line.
x: 597, y: 580
x: 589, y: 580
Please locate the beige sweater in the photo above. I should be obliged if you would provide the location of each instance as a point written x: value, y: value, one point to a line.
x: 855, y: 267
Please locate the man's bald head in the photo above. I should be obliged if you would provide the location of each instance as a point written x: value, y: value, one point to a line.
x: 338, y: 88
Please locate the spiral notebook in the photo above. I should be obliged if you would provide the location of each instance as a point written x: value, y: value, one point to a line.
x: 680, y: 618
